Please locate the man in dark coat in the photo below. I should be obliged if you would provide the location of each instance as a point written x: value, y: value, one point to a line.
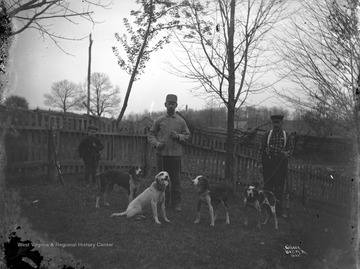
x: 275, y: 149
x: 89, y: 151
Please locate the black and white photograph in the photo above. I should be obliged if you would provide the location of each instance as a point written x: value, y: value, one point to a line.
x: 179, y: 134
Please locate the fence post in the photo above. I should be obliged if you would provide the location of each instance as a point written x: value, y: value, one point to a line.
x: 146, y: 154
x: 51, y: 156
x: 54, y: 170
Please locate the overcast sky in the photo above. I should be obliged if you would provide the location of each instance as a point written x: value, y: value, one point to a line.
x: 37, y: 63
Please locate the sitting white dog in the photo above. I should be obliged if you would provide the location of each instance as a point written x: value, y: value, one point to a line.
x: 153, y: 195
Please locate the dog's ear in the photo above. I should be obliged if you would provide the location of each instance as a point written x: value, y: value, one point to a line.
x: 157, y: 176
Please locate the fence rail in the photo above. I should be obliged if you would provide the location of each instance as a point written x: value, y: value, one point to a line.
x: 125, y: 144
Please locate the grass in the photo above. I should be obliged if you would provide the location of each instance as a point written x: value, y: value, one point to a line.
x: 68, y: 215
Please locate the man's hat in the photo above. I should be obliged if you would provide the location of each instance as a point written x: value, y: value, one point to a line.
x: 92, y: 127
x: 277, y: 117
x: 171, y: 98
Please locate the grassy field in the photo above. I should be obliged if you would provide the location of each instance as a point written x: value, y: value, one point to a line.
x: 67, y: 215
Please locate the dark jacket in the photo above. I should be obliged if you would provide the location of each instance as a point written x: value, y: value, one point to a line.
x: 89, y: 149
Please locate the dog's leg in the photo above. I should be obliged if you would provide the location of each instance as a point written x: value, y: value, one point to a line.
x: 97, y: 205
x: 100, y: 190
x: 211, y: 211
x: 268, y: 211
x: 163, y: 211
x: 245, y: 212
x: 259, y: 219
x: 226, y: 212
x: 216, y: 210
x: 131, y: 197
x: 155, y: 213
x: 107, y: 192
x: 135, y: 193
x: 267, y: 214
x: 258, y: 208
x: 212, y: 219
x: 198, y: 207
x: 131, y: 193
x: 273, y: 211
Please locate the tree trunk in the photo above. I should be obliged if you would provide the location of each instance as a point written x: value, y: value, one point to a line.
x: 89, y: 76
x: 140, y: 55
x: 229, y: 159
x: 230, y: 145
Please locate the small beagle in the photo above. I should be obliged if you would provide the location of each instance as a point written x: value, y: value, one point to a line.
x: 257, y: 198
x: 129, y: 181
x: 212, y: 195
x: 153, y: 196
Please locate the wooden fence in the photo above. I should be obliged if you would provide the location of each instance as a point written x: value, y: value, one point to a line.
x: 125, y: 144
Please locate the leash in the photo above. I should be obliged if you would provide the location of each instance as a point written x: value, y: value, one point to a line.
x: 276, y: 169
x: 287, y: 187
x: 267, y: 151
x: 188, y: 173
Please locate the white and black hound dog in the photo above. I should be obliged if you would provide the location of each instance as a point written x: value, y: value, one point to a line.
x: 153, y: 195
x: 212, y: 195
x: 257, y: 198
x: 129, y: 181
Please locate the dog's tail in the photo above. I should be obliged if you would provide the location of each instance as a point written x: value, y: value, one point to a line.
x: 118, y: 214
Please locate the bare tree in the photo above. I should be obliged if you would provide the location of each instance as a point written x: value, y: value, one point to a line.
x: 227, y: 53
x: 5, y: 32
x: 17, y: 16
x: 64, y: 95
x: 104, y: 95
x: 321, y: 56
x: 320, y: 122
x: 144, y: 40
x: 38, y: 14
